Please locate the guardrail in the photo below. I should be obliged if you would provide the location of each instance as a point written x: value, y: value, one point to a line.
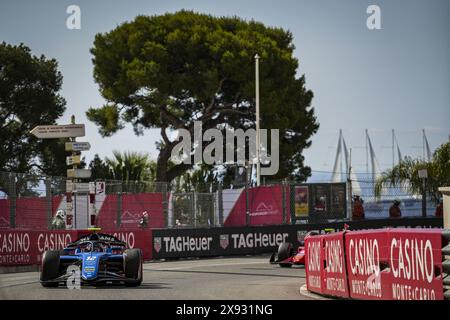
x: 21, y: 247
x: 389, y: 264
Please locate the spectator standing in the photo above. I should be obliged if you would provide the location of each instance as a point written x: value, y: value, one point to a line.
x: 394, y: 210
x: 358, y: 209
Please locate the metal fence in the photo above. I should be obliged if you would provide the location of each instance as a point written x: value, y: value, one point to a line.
x: 27, y: 201
x: 31, y: 201
x: 377, y: 206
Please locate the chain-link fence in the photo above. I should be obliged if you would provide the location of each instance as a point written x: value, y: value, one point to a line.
x: 378, y: 205
x: 31, y: 202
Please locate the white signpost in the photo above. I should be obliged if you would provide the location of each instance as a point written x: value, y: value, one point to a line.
x: 79, y: 173
x: 59, y: 131
x: 78, y: 146
x: 73, y: 185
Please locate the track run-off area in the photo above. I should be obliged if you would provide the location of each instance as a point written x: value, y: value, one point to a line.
x: 236, y: 278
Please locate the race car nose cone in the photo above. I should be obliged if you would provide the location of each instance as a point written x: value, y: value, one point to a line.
x: 90, y: 266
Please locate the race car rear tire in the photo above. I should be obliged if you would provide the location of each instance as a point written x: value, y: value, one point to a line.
x: 133, y: 267
x: 50, y: 268
x: 285, y: 251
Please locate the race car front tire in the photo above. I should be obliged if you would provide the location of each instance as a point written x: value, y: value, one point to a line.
x: 133, y: 267
x: 50, y: 268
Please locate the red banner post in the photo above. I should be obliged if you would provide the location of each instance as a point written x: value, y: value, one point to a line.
x: 314, y: 263
x: 334, y: 272
x: 367, y: 255
x: 415, y: 260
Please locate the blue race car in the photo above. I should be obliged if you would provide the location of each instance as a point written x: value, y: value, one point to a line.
x: 100, y: 258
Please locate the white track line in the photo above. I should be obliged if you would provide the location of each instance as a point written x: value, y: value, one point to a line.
x: 305, y: 292
x: 206, y: 265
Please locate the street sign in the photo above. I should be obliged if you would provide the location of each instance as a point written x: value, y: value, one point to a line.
x: 59, y: 131
x: 73, y: 160
x: 82, y: 187
x: 69, y: 186
x: 78, y: 173
x: 78, y: 146
x: 423, y: 174
x: 100, y: 187
x: 92, y: 187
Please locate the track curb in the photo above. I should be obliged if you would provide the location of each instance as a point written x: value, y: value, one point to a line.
x: 304, y: 292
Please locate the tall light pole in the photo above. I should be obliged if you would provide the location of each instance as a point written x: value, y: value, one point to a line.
x: 258, y: 144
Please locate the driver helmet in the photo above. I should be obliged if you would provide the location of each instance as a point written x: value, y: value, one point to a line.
x: 396, y: 201
x: 89, y: 247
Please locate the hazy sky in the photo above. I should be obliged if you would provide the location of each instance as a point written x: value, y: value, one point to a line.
x: 397, y: 77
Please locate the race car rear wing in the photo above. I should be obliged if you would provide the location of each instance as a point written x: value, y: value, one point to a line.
x: 98, y: 237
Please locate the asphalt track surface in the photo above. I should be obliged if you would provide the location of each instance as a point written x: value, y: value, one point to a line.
x: 249, y: 278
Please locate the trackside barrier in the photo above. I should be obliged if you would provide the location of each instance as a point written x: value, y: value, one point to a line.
x: 26, y: 247
x: 314, y: 263
x: 415, y: 264
x: 325, y: 265
x: 390, y: 264
x: 334, y: 273
x: 367, y: 260
x: 446, y: 262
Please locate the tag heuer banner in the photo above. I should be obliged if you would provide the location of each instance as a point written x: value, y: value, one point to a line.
x: 179, y: 243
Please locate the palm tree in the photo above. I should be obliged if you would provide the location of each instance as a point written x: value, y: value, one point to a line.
x: 131, y: 166
x: 407, y: 173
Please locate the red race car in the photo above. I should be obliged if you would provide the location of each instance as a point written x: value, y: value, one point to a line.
x: 286, y: 255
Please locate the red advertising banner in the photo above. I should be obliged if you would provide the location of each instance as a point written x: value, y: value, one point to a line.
x: 265, y: 207
x: 334, y: 274
x: 314, y: 263
x: 27, y: 247
x: 415, y: 260
x: 4, y: 214
x: 388, y: 264
x: 367, y: 254
x: 133, y: 207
